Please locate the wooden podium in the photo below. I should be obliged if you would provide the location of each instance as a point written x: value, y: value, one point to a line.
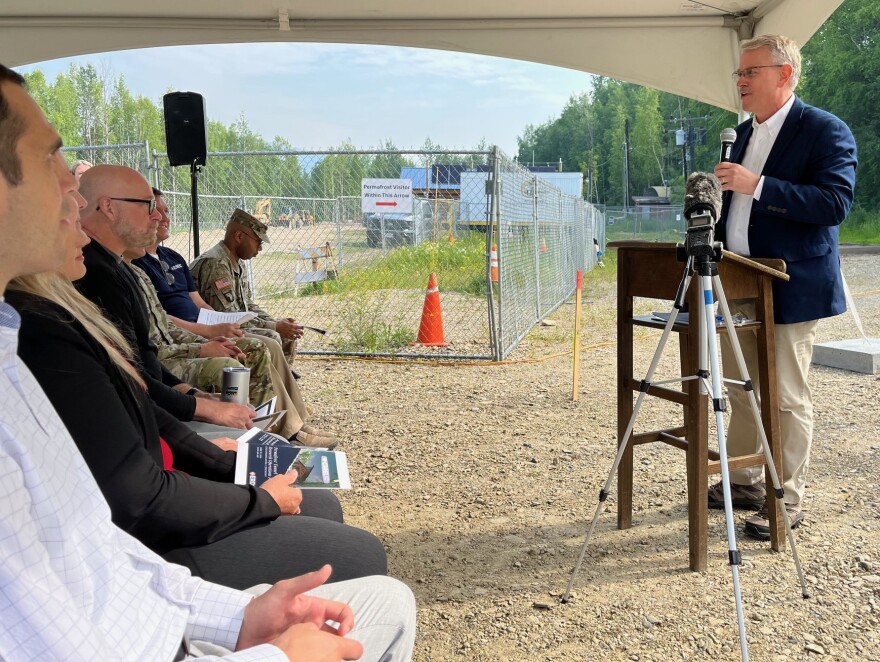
x: 652, y: 270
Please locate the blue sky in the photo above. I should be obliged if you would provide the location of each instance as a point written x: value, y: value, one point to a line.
x: 318, y: 95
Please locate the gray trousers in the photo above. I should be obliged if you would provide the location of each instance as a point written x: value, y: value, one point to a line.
x: 384, y: 617
x: 288, y: 546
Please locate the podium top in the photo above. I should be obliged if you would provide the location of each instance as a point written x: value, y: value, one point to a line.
x: 771, y: 267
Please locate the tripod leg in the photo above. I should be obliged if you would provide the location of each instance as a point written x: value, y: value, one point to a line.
x: 765, y: 444
x: 625, y: 440
x: 734, y: 557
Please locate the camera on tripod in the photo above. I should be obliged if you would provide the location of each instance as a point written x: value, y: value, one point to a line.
x: 702, y: 205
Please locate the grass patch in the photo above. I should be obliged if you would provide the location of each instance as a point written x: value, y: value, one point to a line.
x: 366, y: 332
x: 460, y: 267
x: 861, y: 227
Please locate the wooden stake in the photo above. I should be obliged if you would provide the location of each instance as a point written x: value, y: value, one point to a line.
x: 576, y: 349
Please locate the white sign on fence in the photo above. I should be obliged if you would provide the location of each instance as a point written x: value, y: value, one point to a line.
x: 385, y: 196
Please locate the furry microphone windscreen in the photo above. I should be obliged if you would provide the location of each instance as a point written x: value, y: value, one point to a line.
x: 702, y: 191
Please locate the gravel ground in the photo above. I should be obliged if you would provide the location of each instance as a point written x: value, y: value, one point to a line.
x: 482, y: 480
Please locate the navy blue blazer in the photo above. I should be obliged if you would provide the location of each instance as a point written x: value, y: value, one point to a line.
x: 808, y: 191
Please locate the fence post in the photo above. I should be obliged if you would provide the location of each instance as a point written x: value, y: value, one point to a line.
x: 493, y: 233
x: 154, y: 167
x: 536, y: 241
x: 337, y: 212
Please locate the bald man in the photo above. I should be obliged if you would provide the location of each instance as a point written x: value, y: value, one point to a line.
x: 121, y: 215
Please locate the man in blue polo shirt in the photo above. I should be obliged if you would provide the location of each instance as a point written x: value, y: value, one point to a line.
x: 177, y: 292
x: 174, y: 282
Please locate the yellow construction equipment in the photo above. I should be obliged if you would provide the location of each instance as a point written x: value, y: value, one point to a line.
x: 263, y: 210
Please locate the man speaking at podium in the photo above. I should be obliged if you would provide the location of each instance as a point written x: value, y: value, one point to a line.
x: 788, y: 186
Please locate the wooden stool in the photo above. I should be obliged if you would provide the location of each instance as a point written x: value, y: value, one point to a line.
x: 653, y: 271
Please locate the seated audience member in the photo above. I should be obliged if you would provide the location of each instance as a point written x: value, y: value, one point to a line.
x: 120, y: 215
x: 194, y: 360
x: 79, y: 167
x: 177, y: 291
x: 218, y: 276
x: 72, y: 584
x: 192, y: 516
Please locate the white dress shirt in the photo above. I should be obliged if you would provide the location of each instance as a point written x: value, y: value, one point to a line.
x: 73, y: 586
x: 761, y: 142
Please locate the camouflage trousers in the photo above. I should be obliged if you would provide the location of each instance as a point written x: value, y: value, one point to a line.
x: 289, y: 346
x: 207, y: 374
x: 289, y: 395
x: 266, y: 380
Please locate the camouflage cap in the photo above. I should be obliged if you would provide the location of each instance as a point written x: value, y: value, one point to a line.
x: 259, y: 228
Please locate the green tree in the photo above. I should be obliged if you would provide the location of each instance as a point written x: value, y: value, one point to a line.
x: 338, y: 175
x: 841, y: 74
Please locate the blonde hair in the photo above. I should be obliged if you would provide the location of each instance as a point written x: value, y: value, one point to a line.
x: 782, y: 50
x: 78, y: 163
x: 59, y: 290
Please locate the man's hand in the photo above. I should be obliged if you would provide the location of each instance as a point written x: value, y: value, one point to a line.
x: 288, y: 498
x: 734, y: 177
x: 227, y: 329
x: 288, y: 328
x: 307, y: 643
x: 222, y: 347
x: 276, y: 616
x: 230, y: 414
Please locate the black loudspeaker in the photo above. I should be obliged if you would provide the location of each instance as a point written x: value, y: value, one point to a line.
x: 186, y: 131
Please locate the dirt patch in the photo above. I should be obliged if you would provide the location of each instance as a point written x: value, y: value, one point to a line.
x: 481, y: 481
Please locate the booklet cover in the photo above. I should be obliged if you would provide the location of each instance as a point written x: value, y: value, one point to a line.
x: 262, y: 455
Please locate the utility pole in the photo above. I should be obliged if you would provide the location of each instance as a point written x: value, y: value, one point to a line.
x: 687, y: 135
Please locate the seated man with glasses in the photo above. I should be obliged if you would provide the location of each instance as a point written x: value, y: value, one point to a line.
x: 198, y: 355
x: 218, y: 274
x: 121, y: 215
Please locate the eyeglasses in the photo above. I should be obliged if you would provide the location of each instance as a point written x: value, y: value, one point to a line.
x: 751, y: 72
x: 166, y: 271
x: 150, y: 202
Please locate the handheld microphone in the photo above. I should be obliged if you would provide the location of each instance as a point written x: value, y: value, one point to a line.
x: 728, y: 137
x: 702, y: 193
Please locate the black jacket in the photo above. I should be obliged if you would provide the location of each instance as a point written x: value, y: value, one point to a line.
x: 117, y: 429
x: 109, y: 284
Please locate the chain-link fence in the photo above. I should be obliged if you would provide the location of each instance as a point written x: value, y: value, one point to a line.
x: 362, y: 276
x: 134, y: 155
x: 544, y: 237
x: 647, y: 222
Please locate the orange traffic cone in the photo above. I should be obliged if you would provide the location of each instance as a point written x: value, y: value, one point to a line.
x: 543, y: 245
x: 431, y: 328
x: 493, y: 264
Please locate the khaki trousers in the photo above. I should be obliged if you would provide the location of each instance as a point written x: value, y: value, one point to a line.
x: 285, y: 387
x: 794, y: 352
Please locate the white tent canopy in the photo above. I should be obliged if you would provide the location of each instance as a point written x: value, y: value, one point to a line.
x: 680, y: 46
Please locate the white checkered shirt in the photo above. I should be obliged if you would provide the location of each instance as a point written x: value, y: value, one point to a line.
x: 72, y: 585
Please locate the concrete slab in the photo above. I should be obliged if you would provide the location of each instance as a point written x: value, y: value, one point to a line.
x: 854, y: 355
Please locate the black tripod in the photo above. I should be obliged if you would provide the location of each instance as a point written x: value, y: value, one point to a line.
x: 701, y: 256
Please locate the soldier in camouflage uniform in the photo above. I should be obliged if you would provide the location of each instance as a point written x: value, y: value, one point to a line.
x: 181, y: 352
x: 218, y: 275
x: 159, y: 273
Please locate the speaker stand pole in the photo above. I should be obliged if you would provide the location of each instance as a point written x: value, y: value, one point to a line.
x: 194, y: 199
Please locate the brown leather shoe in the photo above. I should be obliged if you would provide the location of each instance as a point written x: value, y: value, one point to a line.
x: 303, y: 438
x: 758, y: 525
x: 741, y: 496
x: 318, y: 432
